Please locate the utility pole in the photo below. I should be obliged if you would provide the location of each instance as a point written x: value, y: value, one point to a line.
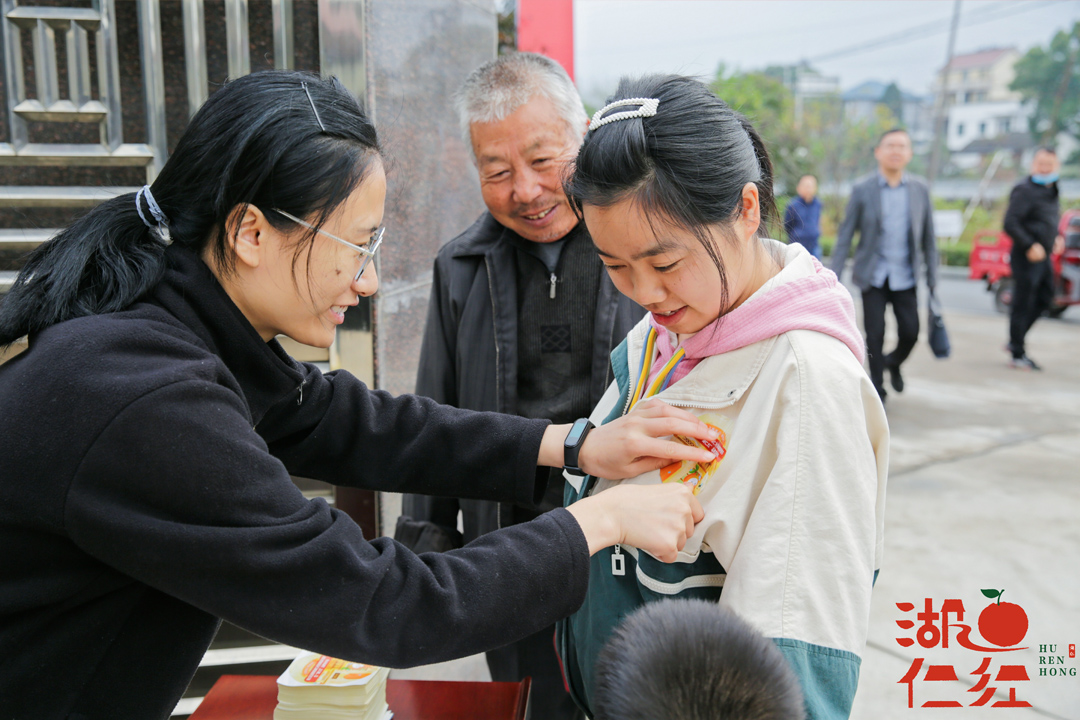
x: 1066, y: 76
x: 940, y: 103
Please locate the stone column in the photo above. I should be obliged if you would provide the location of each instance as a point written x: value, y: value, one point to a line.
x: 416, y: 54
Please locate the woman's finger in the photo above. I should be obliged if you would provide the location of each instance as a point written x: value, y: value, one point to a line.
x: 664, y: 426
x: 658, y: 408
x: 669, y: 451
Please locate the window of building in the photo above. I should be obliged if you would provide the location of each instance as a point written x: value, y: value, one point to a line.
x: 1005, y: 125
x: 982, y: 128
x: 959, y: 129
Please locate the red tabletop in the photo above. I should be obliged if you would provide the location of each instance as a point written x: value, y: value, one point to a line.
x: 253, y: 697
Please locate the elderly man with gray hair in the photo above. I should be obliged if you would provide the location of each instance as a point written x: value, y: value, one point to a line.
x: 522, y: 317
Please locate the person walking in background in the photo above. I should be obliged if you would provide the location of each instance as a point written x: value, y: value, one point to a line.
x: 802, y: 218
x: 893, y: 214
x: 522, y: 316
x: 1031, y: 221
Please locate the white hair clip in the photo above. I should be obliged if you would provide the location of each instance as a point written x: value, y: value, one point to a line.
x: 646, y: 108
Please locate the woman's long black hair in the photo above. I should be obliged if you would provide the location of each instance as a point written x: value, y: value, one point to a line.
x: 686, y: 165
x: 258, y: 141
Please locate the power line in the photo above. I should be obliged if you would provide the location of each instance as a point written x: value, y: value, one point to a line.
x: 928, y: 29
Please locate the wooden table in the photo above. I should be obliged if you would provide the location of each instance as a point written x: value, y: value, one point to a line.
x: 253, y: 697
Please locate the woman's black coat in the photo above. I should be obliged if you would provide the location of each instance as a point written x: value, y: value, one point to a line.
x: 145, y: 493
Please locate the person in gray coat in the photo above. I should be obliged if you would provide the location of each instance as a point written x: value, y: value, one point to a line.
x: 522, y: 317
x: 892, y: 212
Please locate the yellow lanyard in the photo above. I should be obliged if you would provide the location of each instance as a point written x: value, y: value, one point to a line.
x: 662, y: 379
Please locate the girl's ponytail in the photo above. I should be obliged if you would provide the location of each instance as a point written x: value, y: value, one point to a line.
x: 103, y: 262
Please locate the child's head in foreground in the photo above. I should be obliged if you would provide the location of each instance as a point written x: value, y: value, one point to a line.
x: 693, y: 660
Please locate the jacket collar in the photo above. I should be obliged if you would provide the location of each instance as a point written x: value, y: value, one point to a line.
x: 700, y: 387
x: 481, y: 238
x: 190, y: 293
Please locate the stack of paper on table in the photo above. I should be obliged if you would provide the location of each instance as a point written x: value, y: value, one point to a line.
x: 318, y: 687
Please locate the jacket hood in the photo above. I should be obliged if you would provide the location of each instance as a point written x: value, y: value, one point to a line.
x: 804, y: 295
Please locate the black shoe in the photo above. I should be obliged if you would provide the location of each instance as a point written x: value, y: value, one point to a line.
x: 895, y: 378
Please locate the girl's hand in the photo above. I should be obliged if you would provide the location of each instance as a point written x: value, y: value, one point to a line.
x: 631, y: 445
x: 655, y: 518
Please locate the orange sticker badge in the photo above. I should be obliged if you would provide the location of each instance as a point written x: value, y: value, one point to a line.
x: 696, y: 474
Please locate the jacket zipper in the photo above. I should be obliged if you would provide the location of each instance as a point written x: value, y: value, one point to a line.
x: 678, y: 403
x: 300, y: 392
x: 498, y: 364
x: 553, y: 281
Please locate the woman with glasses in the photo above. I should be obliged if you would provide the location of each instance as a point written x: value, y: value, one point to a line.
x: 150, y: 429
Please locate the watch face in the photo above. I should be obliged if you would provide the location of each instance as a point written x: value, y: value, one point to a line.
x: 574, y: 435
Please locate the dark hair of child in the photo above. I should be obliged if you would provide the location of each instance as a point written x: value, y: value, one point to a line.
x: 693, y: 660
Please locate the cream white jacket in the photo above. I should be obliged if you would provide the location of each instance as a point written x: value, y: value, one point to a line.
x: 794, y: 512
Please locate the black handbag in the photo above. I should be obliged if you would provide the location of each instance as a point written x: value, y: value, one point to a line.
x: 939, y: 336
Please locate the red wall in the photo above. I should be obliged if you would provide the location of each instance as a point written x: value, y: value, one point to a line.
x: 547, y: 27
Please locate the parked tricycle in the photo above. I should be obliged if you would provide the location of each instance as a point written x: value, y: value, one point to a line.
x: 989, y: 261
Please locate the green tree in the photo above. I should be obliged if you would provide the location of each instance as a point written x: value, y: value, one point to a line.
x: 769, y: 105
x: 507, y: 26
x: 1050, y: 76
x: 894, y: 100
x: 827, y: 144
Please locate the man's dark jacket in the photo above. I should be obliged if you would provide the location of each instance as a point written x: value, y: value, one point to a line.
x: 469, y: 354
x: 145, y: 493
x: 1032, y: 217
x: 863, y: 214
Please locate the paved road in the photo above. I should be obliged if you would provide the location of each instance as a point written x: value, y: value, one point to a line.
x: 984, y: 493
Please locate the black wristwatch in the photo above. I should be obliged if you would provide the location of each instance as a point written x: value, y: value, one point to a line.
x: 572, y: 445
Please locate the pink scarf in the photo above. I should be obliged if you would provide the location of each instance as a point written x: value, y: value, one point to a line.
x: 814, y: 302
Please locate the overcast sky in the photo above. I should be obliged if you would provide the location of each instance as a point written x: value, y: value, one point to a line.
x: 906, y: 40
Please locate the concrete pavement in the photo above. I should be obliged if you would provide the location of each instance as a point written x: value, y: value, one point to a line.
x: 984, y: 492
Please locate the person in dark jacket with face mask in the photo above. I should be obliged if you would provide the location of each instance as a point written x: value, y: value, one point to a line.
x: 151, y: 427
x: 1031, y: 221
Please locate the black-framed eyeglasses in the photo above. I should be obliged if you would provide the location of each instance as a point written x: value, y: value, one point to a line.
x: 367, y: 253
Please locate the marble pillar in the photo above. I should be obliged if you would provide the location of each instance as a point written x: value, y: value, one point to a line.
x: 418, y: 54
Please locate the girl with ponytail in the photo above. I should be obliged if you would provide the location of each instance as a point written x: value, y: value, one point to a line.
x: 149, y: 431
x: 759, y: 341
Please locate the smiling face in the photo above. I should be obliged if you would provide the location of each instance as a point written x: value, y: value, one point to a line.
x: 521, y: 160
x: 666, y: 269
x: 306, y: 297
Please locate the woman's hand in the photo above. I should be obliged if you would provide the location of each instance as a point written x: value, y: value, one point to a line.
x: 632, y: 445
x: 655, y: 518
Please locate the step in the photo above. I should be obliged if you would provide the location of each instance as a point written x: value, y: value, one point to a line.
x: 24, y: 239
x: 248, y: 655
x: 58, y: 196
x: 76, y: 155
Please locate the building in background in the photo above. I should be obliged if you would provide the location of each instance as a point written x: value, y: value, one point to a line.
x: 984, y: 115
x: 805, y: 84
x: 915, y: 112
